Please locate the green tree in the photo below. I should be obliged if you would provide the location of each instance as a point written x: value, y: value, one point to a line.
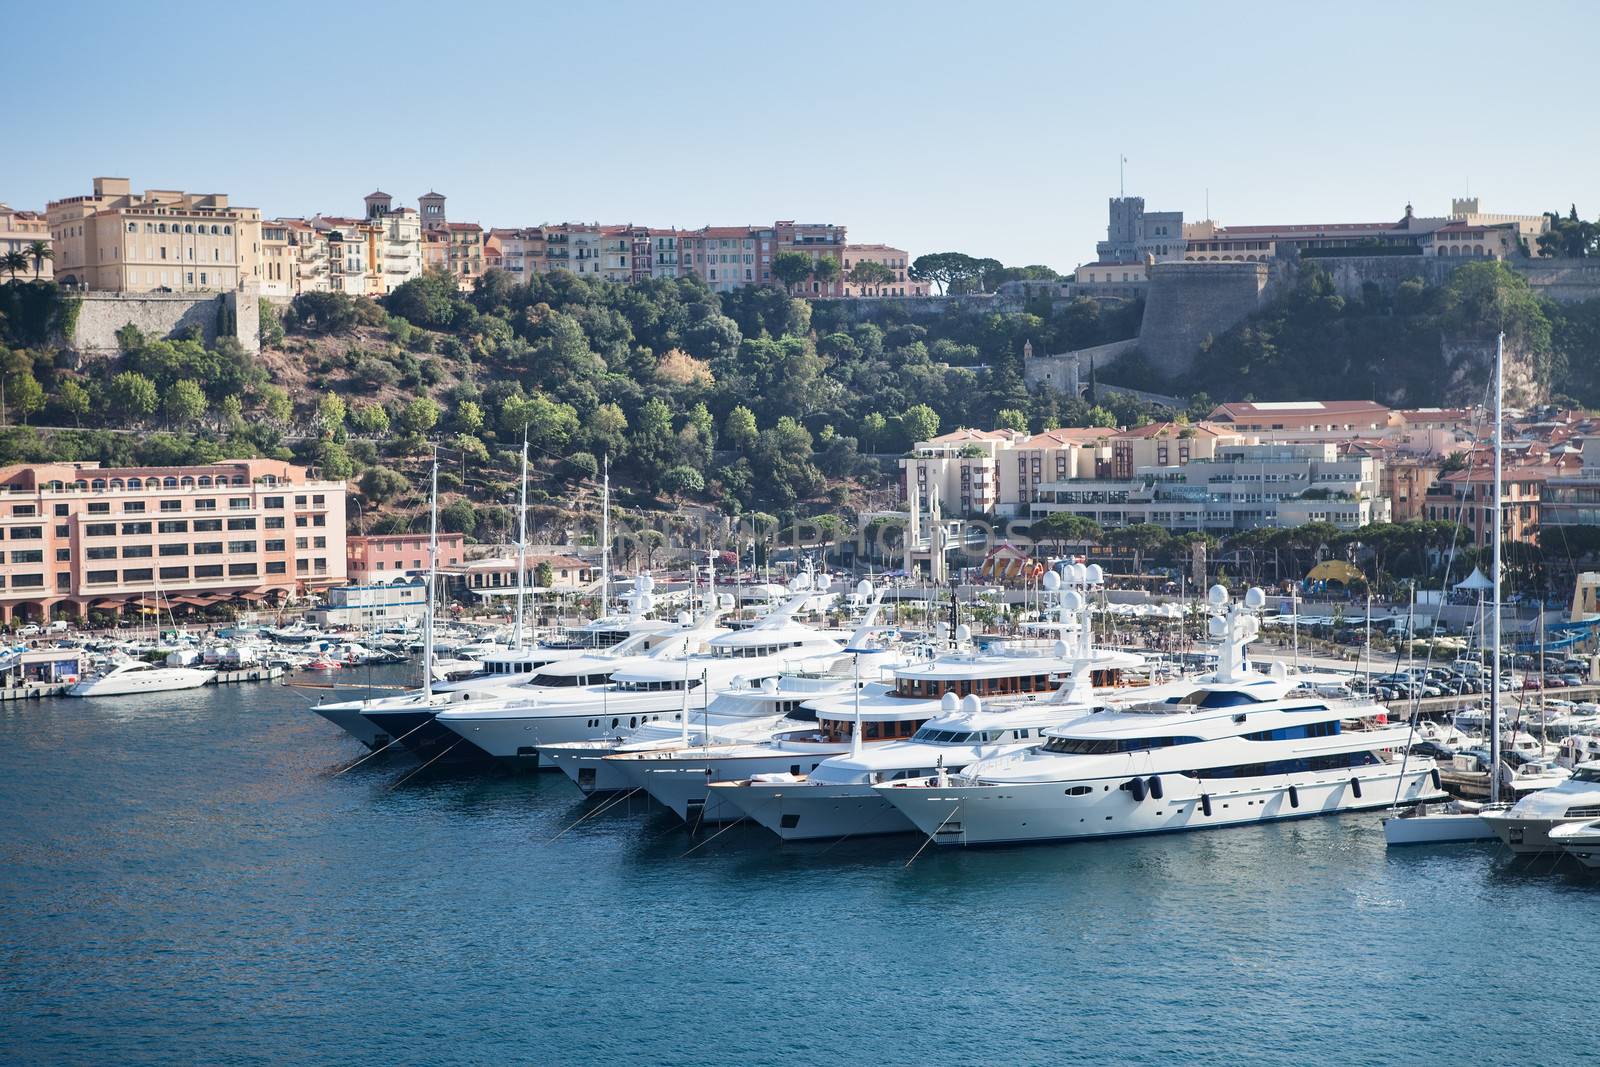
x: 185, y: 404
x: 1061, y: 529
x: 39, y: 253
x: 873, y: 425
x: 791, y: 268
x: 381, y: 485
x: 13, y: 262
x: 276, y: 405
x: 370, y: 419
x: 419, y: 416
x: 1011, y: 419
x: 739, y: 429
x: 134, y: 395
x: 73, y: 399
x: 867, y: 276
x: 331, y: 414
x: 469, y: 417
x: 458, y: 516
x: 25, y: 395
x: 683, y: 481
x: 544, y: 575
x: 919, y: 423
x: 825, y: 270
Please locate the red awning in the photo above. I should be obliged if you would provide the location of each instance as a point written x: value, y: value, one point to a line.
x: 110, y: 605
x: 193, y: 601
x: 253, y: 597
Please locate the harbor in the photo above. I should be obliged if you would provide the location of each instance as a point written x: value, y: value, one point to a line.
x: 186, y: 868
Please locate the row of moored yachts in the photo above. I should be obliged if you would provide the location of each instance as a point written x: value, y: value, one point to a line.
x: 823, y: 734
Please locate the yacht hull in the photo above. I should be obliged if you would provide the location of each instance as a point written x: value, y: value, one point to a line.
x: 349, y: 718
x: 418, y: 731
x: 518, y: 738
x: 799, y: 812
x: 1528, y: 835
x: 160, y: 680
x: 1580, y: 841
x: 1435, y: 829
x: 1021, y: 813
x: 682, y: 782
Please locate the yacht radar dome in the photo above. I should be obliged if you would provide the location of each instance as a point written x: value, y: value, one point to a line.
x: 1218, y: 596
x: 1061, y: 650
x: 963, y: 634
x: 949, y: 702
x: 970, y: 704
x: 1073, y: 601
x: 864, y: 588
x: 1255, y: 599
x: 1095, y: 574
x: 1052, y: 581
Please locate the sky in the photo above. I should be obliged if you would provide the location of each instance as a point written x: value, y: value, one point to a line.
x: 992, y: 129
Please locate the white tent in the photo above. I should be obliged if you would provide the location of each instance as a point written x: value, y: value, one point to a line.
x: 1475, y: 582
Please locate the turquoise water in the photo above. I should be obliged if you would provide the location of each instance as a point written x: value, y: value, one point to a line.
x: 183, y: 878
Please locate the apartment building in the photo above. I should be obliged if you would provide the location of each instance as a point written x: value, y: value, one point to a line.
x: 79, y: 537
x: 382, y: 557
x: 818, y: 240
x: 19, y: 230
x: 160, y: 240
x: 725, y: 257
x: 1241, y: 487
x: 1467, y: 496
x: 1319, y: 419
x: 894, y: 259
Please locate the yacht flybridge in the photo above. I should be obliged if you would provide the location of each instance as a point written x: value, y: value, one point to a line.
x: 1242, y: 747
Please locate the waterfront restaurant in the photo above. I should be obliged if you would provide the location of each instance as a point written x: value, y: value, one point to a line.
x: 78, y: 537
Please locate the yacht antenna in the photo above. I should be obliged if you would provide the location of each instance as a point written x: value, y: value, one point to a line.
x: 1494, y: 618
x: 433, y: 579
x: 522, y: 544
x: 855, y: 734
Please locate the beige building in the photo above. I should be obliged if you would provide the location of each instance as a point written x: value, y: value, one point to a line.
x: 160, y: 240
x: 18, y: 231
x: 895, y: 259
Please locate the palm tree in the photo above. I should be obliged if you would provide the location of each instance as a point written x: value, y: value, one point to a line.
x: 13, y: 262
x: 38, y: 251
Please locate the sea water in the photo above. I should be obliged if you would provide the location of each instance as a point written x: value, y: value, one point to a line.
x: 188, y: 877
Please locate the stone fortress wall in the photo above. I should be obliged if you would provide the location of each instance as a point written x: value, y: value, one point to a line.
x: 236, y: 314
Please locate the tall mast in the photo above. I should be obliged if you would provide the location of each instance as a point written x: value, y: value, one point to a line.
x: 1494, y: 614
x: 522, y: 542
x: 605, y: 540
x: 433, y: 578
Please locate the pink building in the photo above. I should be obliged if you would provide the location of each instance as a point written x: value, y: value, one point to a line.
x: 895, y: 259
x: 382, y: 556
x: 80, y: 537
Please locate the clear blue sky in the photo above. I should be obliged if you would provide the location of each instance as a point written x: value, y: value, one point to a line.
x: 993, y: 129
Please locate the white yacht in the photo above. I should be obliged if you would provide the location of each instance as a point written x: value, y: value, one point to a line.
x: 590, y: 659
x: 743, y: 713
x: 650, y: 691
x: 1580, y: 840
x: 837, y: 799
x: 1526, y: 826
x: 1014, y: 670
x: 128, y: 678
x: 1241, y: 748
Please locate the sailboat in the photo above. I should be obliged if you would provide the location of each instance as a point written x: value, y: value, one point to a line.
x: 1461, y: 820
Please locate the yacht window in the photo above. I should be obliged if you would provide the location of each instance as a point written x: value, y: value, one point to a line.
x: 1218, y: 698
x: 1289, y: 733
x: 1078, y: 790
x: 1338, y: 761
x: 1586, y: 774
x: 1099, y: 746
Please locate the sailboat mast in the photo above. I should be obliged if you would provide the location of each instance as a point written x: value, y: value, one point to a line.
x: 605, y: 540
x: 433, y: 579
x: 522, y: 544
x: 1494, y: 614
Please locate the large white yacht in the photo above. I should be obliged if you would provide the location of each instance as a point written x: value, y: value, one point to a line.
x: 1016, y: 670
x: 128, y: 678
x: 837, y: 799
x: 649, y: 691
x: 1525, y: 827
x: 601, y: 647
x: 1580, y: 840
x: 1242, y: 747
x: 743, y: 713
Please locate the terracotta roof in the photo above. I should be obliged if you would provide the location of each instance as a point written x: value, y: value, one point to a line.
x: 1173, y: 429
x: 376, y: 193
x: 968, y: 434
x: 1307, y: 229
x: 1066, y: 435
x: 463, y: 226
